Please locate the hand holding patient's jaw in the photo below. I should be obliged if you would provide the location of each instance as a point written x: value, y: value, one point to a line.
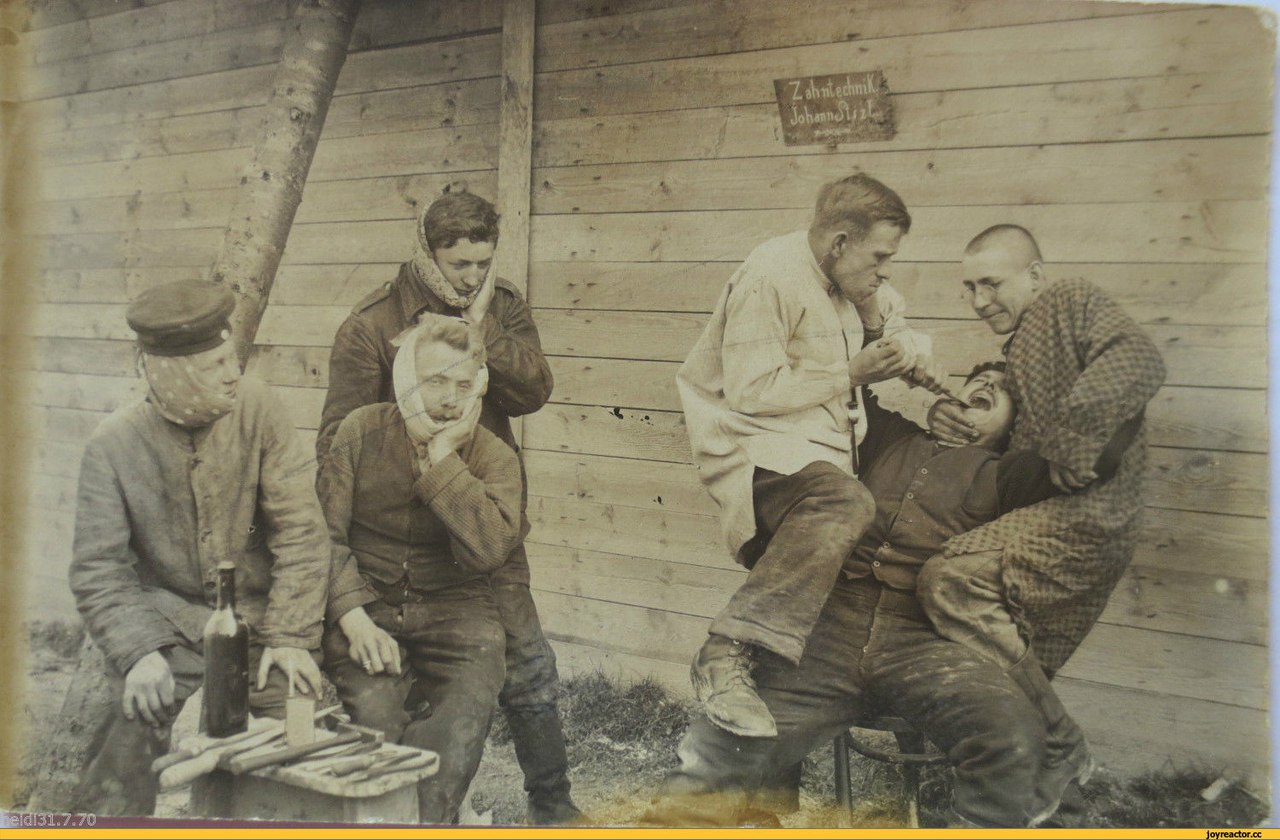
x: 985, y: 409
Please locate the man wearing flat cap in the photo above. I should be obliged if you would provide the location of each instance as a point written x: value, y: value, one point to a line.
x: 206, y: 469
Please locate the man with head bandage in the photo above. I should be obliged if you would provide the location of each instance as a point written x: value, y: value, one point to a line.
x: 451, y: 272
x: 207, y: 468
x: 423, y: 504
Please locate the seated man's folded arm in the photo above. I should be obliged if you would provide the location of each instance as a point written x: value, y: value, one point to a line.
x: 103, y: 576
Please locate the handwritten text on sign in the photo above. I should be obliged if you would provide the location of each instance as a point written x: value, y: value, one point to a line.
x: 844, y: 108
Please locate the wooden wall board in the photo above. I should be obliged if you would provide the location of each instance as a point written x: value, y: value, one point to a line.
x: 1207, y: 105
x: 472, y: 147
x: 1171, y: 293
x: 1119, y: 109
x: 396, y: 21
x: 426, y: 64
x: 1193, y: 363
x: 1215, y: 231
x: 49, y: 13
x: 1210, y: 231
x: 1196, y: 356
x: 426, y: 106
x: 247, y: 45
x: 365, y: 199
x: 1211, y: 294
x: 639, y: 35
x: 1163, y: 170
x: 1196, y: 41
x: 124, y: 26
x: 99, y: 26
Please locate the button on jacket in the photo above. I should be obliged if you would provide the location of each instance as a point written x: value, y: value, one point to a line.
x: 159, y: 506
x: 453, y: 524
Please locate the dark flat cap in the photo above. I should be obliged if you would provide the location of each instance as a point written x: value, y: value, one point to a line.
x: 181, y: 318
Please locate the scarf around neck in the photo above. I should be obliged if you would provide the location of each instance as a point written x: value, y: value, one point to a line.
x: 406, y: 379
x: 428, y: 271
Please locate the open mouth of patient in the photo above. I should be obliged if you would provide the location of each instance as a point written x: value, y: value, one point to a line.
x: 981, y: 400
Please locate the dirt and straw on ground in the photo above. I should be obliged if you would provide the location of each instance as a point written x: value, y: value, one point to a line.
x: 622, y: 739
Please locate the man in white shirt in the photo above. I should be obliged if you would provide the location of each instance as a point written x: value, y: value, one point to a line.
x: 770, y: 395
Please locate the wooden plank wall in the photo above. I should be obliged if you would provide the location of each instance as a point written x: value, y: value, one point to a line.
x: 1132, y: 139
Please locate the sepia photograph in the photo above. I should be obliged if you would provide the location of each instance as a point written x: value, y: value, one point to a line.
x: 802, y: 414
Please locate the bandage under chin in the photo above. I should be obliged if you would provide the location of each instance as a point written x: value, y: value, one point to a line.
x: 407, y: 383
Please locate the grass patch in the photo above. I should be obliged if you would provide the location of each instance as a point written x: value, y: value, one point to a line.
x: 61, y: 639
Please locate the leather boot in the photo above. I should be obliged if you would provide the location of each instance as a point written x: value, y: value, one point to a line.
x: 721, y: 676
x: 538, y: 737
x: 1067, y: 757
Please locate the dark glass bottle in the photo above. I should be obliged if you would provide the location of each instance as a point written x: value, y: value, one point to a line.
x: 226, y: 662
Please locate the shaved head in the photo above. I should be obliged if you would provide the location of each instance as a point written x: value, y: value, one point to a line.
x: 1015, y: 240
x: 1002, y: 274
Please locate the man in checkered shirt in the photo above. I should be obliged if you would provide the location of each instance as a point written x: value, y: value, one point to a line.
x: 1029, y: 586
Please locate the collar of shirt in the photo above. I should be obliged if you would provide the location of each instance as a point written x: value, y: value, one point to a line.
x: 415, y: 297
x: 821, y: 276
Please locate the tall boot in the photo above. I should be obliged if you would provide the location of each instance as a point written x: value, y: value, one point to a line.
x: 722, y: 682
x: 538, y: 737
x: 1067, y: 757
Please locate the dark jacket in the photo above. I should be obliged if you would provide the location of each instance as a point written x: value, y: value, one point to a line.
x: 360, y: 365
x: 456, y: 522
x: 159, y: 506
x: 926, y: 493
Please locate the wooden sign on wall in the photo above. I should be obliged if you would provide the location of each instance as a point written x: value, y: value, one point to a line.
x: 826, y: 110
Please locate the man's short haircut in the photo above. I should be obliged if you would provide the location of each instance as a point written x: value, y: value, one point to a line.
x: 454, y: 332
x: 459, y: 215
x: 982, y: 367
x: 854, y: 204
x: 1006, y: 231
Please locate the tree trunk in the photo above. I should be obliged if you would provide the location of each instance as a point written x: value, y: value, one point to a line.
x: 271, y: 189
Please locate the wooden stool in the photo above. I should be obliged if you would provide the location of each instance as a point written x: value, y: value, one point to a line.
x: 296, y: 793
x: 912, y: 754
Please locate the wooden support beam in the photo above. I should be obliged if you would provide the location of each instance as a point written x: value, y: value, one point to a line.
x: 515, y: 140
x: 515, y: 149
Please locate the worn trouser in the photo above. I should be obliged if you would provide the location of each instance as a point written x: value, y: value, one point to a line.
x: 871, y: 645
x: 529, y: 698
x: 118, y: 780
x: 452, y: 647
x: 806, y: 526
x: 964, y: 597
